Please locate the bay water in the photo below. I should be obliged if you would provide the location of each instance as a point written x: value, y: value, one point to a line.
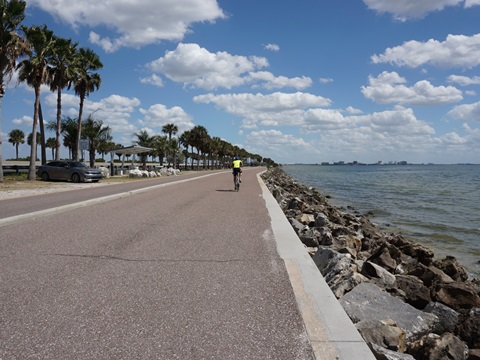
x: 435, y: 205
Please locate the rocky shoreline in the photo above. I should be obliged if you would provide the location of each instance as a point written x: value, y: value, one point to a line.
x: 405, y: 303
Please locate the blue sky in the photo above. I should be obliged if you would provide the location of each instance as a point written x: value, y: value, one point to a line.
x: 306, y: 81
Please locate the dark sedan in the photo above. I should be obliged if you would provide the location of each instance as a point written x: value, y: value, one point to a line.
x: 75, y: 171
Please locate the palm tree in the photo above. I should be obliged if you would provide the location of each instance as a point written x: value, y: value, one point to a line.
x: 33, y: 144
x: 186, y: 140
x: 68, y: 128
x: 172, y: 147
x: 96, y: 133
x: 62, y: 72
x: 144, y: 139
x: 105, y: 147
x: 16, y: 137
x: 159, y: 143
x: 85, y: 82
x: 51, y: 143
x: 34, y: 72
x: 199, y: 136
x: 215, y: 147
x: 12, y: 46
x: 169, y: 129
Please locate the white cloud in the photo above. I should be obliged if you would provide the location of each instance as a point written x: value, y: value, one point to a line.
x: 272, y: 47
x: 406, y: 9
x: 274, y: 109
x: 323, y: 119
x: 133, y: 25
x: 456, y: 51
x: 471, y: 3
x: 23, y: 121
x: 464, y: 80
x: 396, y: 122
x: 386, y: 88
x: 114, y: 110
x: 353, y: 111
x: 153, y: 79
x: 196, y: 66
x: 273, y: 82
x: 377, y: 136
x: 325, y: 80
x: 279, y: 145
x: 158, y: 115
x: 466, y: 112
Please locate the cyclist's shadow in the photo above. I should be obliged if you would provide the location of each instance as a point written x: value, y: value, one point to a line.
x: 221, y: 190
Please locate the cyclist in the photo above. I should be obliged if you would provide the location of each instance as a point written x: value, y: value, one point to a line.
x: 237, y: 168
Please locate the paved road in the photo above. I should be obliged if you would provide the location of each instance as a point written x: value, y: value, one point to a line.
x: 17, y: 206
x: 182, y: 272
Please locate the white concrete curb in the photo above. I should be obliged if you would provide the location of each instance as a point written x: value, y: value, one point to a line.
x: 331, y: 332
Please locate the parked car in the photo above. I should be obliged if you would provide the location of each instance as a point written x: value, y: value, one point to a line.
x: 75, y: 171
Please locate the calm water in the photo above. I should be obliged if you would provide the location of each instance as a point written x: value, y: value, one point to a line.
x: 435, y: 205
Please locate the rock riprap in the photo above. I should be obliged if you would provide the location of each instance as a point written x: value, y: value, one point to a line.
x: 405, y: 302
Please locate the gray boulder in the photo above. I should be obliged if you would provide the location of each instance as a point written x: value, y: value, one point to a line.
x: 375, y: 271
x: 384, y: 333
x: 448, y: 317
x: 384, y: 354
x: 368, y: 301
x: 416, y: 294
x: 436, y: 347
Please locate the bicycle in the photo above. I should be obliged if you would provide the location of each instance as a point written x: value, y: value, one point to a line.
x: 236, y: 181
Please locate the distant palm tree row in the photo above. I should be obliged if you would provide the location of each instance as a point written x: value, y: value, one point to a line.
x: 45, y: 59
x: 198, y: 146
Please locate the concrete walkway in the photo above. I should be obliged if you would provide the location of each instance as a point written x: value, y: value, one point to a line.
x: 330, y: 330
x: 238, y: 300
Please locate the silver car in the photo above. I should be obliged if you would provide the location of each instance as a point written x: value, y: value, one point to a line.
x: 75, y: 171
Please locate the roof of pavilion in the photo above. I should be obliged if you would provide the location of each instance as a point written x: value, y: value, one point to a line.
x: 129, y: 150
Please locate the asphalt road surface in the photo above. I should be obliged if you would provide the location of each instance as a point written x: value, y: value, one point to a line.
x: 184, y: 271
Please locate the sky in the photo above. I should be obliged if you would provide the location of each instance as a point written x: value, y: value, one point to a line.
x: 305, y: 81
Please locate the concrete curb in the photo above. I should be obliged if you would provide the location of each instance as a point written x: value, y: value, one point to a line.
x: 330, y: 330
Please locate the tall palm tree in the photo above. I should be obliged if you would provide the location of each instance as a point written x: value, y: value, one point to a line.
x: 170, y: 129
x: 16, y: 137
x: 12, y: 46
x: 62, y: 72
x: 34, y: 72
x: 186, y: 140
x: 199, y: 136
x: 86, y: 81
x: 96, y: 133
x: 51, y: 143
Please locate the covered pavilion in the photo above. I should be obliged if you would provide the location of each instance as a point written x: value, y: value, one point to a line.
x: 124, y: 151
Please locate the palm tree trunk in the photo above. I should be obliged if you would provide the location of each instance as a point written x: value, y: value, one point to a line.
x: 79, y: 126
x: 33, y: 147
x: 16, y: 151
x: 59, y: 124
x: 42, y: 134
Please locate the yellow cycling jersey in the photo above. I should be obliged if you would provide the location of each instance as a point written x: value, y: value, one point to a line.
x: 237, y: 164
